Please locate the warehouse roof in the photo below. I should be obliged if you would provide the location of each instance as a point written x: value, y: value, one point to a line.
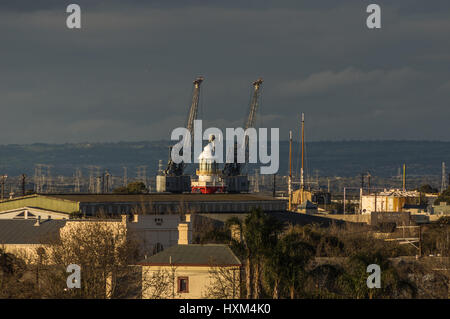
x: 14, y: 231
x: 158, y: 197
x: 194, y: 255
x: 285, y: 217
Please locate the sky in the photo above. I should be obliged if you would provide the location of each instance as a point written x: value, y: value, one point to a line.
x: 127, y: 74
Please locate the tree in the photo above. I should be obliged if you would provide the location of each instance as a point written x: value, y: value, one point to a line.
x: 286, y: 263
x: 159, y: 283
x: 224, y: 282
x: 353, y: 281
x: 14, y: 280
x: 322, y: 281
x: 104, y: 251
x: 132, y: 188
x: 444, y: 197
x: 259, y: 235
x: 427, y: 188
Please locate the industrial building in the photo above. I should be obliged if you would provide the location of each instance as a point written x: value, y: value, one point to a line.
x: 388, y: 201
x: 64, y: 206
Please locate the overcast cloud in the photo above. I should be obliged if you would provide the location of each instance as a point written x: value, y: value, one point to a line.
x: 127, y: 74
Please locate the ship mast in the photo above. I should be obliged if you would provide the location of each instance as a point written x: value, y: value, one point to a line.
x: 290, y: 171
x: 302, y: 185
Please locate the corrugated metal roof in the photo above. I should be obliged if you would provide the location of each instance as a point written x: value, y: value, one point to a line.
x: 14, y: 231
x: 160, y: 197
x: 210, y: 254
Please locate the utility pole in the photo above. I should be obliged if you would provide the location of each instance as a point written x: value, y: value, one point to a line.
x: 274, y: 185
x: 420, y: 240
x: 375, y: 193
x: 3, y: 181
x: 344, y: 201
x: 443, y: 186
x: 404, y: 177
x: 23, y: 183
x: 125, y: 178
x: 77, y: 180
x: 256, y: 184
x: 362, y: 180
x: 107, y: 182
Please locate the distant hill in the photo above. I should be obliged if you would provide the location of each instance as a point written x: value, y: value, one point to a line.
x: 346, y: 158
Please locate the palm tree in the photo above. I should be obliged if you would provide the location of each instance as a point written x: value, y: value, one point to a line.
x: 259, y: 235
x: 287, y: 262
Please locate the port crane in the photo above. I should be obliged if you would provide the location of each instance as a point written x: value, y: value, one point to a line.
x: 173, y: 179
x: 235, y: 181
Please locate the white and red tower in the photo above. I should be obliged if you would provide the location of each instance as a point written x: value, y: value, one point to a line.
x: 208, y: 172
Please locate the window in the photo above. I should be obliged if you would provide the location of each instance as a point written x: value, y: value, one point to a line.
x: 158, y: 221
x: 183, y: 284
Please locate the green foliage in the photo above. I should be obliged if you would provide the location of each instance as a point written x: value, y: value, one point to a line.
x: 286, y: 263
x: 13, y: 283
x: 435, y: 237
x: 427, y: 188
x: 353, y: 281
x: 292, y: 270
x: 444, y: 197
x: 75, y: 215
x: 132, y: 188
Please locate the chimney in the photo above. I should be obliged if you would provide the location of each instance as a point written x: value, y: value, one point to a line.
x: 135, y: 218
x: 184, y: 234
x: 38, y: 221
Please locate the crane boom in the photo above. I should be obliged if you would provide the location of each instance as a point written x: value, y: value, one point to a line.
x: 250, y: 122
x: 251, y: 119
x: 194, y: 106
x: 235, y: 168
x: 174, y: 169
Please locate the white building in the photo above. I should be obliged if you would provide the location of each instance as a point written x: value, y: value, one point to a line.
x: 388, y: 201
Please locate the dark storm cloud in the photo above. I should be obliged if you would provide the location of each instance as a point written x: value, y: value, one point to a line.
x: 127, y: 74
